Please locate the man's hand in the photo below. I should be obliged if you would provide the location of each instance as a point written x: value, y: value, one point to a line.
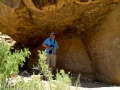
x: 50, y: 48
x: 46, y: 46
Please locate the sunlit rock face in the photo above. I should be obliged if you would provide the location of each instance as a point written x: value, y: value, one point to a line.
x: 103, y: 46
x: 73, y: 56
x: 86, y: 30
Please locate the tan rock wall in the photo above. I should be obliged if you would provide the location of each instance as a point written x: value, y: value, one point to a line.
x: 103, y: 46
x: 92, y: 22
x: 73, y: 56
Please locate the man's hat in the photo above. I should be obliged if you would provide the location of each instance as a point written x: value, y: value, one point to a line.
x: 52, y: 33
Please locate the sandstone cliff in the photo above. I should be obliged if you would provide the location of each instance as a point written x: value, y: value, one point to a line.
x: 87, y: 32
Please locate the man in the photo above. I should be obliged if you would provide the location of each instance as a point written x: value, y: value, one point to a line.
x: 51, y: 46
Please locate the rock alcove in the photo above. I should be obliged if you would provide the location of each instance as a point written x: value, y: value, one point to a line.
x: 87, y: 32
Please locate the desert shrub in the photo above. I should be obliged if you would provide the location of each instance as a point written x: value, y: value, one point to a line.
x: 9, y: 62
x: 63, y: 81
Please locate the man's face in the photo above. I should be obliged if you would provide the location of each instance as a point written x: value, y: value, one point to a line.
x: 53, y: 36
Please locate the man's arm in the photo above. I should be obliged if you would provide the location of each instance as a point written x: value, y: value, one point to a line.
x: 46, y: 46
x: 57, y: 47
x: 45, y: 43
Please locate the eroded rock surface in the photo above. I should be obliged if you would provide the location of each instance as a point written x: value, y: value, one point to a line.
x: 103, y: 46
x: 87, y: 32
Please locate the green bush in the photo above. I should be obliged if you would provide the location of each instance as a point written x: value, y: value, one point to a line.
x: 9, y: 62
x: 63, y: 81
x: 43, y: 66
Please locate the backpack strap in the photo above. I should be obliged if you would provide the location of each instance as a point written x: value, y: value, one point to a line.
x: 50, y: 41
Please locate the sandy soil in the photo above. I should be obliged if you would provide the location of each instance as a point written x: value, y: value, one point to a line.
x: 98, y: 86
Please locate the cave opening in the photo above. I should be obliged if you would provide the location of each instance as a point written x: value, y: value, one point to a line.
x: 41, y: 3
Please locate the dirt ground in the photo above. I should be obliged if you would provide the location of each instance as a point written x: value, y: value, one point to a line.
x: 90, y: 83
x: 86, y: 83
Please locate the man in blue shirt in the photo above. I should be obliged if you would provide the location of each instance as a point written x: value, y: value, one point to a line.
x: 51, y: 47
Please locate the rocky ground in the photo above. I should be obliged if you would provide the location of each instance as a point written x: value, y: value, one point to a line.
x: 87, y: 83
